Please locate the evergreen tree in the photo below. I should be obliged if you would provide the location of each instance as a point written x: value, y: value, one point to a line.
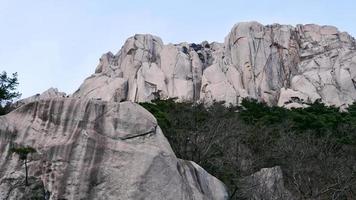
x: 8, y: 86
x: 23, y: 152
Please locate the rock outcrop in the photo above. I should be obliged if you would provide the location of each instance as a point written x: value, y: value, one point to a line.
x: 266, y: 184
x: 92, y: 149
x: 92, y: 145
x: 13, y: 187
x: 278, y: 64
x: 48, y: 94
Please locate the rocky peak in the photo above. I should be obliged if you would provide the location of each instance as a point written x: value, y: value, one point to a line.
x: 50, y: 93
x: 263, y: 62
x: 144, y: 66
x: 92, y: 145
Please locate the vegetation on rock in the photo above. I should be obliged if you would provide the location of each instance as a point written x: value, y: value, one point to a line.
x: 23, y: 152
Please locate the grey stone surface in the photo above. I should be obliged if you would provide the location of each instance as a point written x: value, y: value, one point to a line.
x: 274, y: 63
x: 50, y: 93
x: 92, y: 149
x: 12, y: 187
x: 266, y: 184
x: 90, y: 146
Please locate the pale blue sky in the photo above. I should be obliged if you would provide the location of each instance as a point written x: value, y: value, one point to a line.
x: 57, y: 43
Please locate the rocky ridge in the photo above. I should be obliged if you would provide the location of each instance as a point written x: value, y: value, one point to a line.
x: 92, y: 145
x: 277, y: 64
x: 48, y: 94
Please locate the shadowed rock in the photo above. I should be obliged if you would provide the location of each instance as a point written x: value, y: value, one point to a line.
x: 266, y: 184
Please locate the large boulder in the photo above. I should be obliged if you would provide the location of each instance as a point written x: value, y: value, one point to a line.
x: 267, y: 63
x: 267, y: 183
x: 92, y: 149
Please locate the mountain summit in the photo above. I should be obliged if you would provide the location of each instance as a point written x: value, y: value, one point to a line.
x: 93, y: 145
x: 277, y: 64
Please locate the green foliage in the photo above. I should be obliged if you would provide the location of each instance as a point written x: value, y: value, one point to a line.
x: 313, y: 143
x: 6, y: 108
x: 7, y: 87
x: 8, y: 92
x: 23, y: 151
x: 318, y: 118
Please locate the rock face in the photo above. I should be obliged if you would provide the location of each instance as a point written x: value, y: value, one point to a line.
x: 13, y: 187
x: 50, y: 93
x: 266, y: 184
x: 94, y: 146
x: 278, y: 64
x: 92, y: 149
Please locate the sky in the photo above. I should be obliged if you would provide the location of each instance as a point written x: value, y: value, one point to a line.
x: 58, y: 43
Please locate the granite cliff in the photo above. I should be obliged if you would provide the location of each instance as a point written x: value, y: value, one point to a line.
x: 98, y: 144
x: 89, y: 149
x: 277, y: 64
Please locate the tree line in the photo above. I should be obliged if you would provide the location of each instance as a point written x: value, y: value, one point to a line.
x: 314, y: 146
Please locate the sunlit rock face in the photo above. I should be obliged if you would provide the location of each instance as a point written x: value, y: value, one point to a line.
x: 277, y: 64
x: 48, y: 94
x: 98, y: 144
x: 312, y: 62
x: 93, y: 149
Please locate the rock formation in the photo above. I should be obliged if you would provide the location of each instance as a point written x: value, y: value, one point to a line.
x: 48, y: 94
x: 92, y: 145
x: 92, y: 149
x: 12, y: 187
x: 266, y: 184
x: 278, y: 64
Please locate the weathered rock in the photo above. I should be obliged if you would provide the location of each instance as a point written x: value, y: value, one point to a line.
x: 145, y: 66
x: 13, y: 187
x: 266, y: 184
x: 50, y: 93
x: 92, y: 149
x: 306, y: 59
x: 256, y: 61
x: 289, y: 98
x: 201, y: 181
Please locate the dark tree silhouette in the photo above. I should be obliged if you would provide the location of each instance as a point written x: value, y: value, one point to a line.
x: 315, y: 147
x: 8, y: 91
x: 23, y: 152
